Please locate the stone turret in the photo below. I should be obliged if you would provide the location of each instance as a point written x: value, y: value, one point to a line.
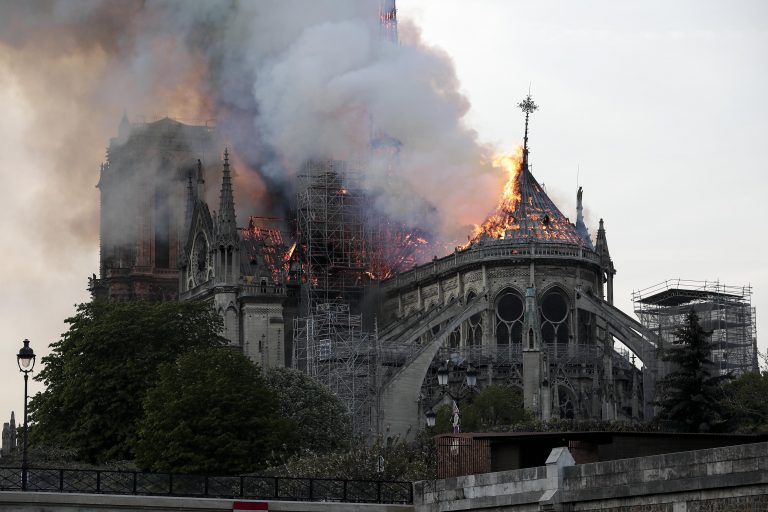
x: 227, y: 257
x: 200, y: 190
x: 606, y: 263
x: 9, y: 437
x: 227, y: 226
x: 227, y: 235
x: 123, y: 129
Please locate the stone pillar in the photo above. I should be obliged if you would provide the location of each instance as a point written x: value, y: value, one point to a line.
x: 635, y: 391
x: 559, y: 459
x: 534, y: 396
x: 609, y: 398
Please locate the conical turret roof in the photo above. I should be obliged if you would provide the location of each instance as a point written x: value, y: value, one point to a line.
x: 528, y: 214
x: 535, y: 217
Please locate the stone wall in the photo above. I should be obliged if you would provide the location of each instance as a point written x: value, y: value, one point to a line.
x: 733, y: 478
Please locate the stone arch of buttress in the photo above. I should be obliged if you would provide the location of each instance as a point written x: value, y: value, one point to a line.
x: 399, y: 411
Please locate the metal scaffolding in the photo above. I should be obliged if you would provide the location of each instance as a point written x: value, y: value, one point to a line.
x: 331, y: 234
x: 726, y: 311
x: 331, y: 347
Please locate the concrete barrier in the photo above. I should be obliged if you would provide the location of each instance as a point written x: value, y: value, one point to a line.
x: 63, y: 502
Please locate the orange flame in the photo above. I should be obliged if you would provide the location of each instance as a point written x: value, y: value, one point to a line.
x: 497, y: 224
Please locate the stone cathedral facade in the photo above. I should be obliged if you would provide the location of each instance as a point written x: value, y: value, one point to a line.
x: 530, y: 307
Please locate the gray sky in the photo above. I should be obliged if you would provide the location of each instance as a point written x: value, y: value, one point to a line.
x: 661, y: 105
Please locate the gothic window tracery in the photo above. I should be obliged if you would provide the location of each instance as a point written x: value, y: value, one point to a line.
x: 454, y: 339
x: 199, y: 259
x: 509, y: 318
x: 567, y: 404
x: 555, y: 313
x: 474, y: 326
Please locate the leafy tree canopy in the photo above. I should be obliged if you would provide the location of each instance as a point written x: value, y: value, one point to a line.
x: 493, y: 407
x: 321, y: 419
x: 98, y: 373
x: 745, y: 401
x: 211, y: 412
x: 689, y: 396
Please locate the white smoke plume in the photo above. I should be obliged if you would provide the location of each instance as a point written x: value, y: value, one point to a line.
x: 285, y: 81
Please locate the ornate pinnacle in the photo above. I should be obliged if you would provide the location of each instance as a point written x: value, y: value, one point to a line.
x: 527, y: 105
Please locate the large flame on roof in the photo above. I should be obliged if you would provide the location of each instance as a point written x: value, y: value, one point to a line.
x: 503, y: 219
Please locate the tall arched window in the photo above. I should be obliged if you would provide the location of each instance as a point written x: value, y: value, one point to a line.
x: 509, y: 318
x: 454, y: 339
x: 474, y: 326
x: 555, y: 311
x: 567, y: 403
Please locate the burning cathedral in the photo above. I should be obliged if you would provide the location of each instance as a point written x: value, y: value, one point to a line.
x: 344, y: 293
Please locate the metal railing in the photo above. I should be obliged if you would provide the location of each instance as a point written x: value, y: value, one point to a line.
x: 100, y: 481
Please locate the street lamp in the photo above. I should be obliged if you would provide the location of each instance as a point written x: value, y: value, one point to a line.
x: 431, y: 417
x: 471, y: 377
x: 442, y: 375
x: 442, y: 379
x: 26, y: 361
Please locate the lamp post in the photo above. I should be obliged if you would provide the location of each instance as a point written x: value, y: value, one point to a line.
x: 26, y: 361
x: 431, y: 418
x: 442, y: 379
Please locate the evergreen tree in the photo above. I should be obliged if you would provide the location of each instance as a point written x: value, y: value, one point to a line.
x: 689, y: 396
x: 97, y: 374
x: 211, y: 412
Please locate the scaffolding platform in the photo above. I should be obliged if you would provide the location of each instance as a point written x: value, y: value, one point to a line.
x: 331, y: 234
x: 725, y: 311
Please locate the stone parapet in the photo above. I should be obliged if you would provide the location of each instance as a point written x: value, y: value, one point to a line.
x: 717, y: 479
x: 492, y: 251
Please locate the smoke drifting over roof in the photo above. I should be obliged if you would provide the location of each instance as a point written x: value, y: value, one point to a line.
x: 284, y: 81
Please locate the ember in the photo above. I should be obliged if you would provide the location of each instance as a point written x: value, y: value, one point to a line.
x: 525, y: 213
x: 396, y: 249
x: 497, y: 224
x: 266, y: 248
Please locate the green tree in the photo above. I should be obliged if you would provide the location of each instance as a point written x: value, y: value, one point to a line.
x: 744, y: 401
x: 98, y: 373
x: 494, y: 406
x: 211, y: 412
x: 394, y: 459
x: 689, y: 396
x: 323, y: 424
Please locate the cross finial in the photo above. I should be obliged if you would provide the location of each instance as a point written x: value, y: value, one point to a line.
x: 527, y: 105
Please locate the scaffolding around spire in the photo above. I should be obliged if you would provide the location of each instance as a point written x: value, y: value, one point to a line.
x: 388, y: 20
